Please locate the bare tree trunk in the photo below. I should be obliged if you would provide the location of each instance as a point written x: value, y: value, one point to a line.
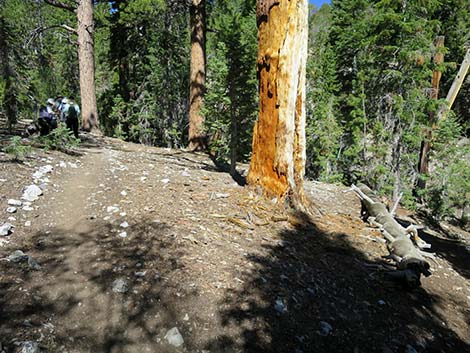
x: 455, y: 88
x: 423, y: 164
x: 197, y: 138
x: 278, y: 156
x: 86, y: 60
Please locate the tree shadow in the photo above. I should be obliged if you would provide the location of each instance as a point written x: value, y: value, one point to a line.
x: 310, y: 292
x: 74, y: 289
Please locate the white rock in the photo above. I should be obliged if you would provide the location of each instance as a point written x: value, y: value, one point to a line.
x: 29, y: 347
x: 142, y: 179
x: 27, y: 224
x: 173, y: 337
x: 124, y: 224
x: 27, y: 208
x: 123, y: 234
x: 13, y: 202
x: 31, y: 193
x: 112, y: 209
x: 46, y: 169
x: 6, y: 229
x: 62, y: 164
x: 123, y: 214
x: 124, y: 193
x: 73, y: 165
x: 11, y: 219
x: 11, y: 209
x: 165, y: 181
x: 120, y: 286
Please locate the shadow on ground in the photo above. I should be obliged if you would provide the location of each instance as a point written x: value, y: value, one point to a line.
x: 73, y: 290
x: 312, y: 293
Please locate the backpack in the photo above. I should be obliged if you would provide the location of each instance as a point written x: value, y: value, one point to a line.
x: 72, y: 112
x: 43, y: 113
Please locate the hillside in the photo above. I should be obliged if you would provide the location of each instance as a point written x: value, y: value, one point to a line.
x: 141, y: 249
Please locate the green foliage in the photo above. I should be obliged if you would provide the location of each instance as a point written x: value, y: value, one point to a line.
x: 61, y: 139
x: 231, y: 99
x: 17, y: 149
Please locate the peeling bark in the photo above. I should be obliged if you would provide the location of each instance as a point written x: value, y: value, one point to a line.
x: 278, y: 157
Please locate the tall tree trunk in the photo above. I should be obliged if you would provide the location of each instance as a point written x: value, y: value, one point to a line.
x: 278, y: 156
x: 423, y: 167
x: 86, y: 58
x: 197, y: 138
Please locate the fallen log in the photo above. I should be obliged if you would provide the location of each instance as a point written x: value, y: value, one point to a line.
x: 403, y: 244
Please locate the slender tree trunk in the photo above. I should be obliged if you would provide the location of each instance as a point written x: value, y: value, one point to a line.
x: 278, y: 156
x: 86, y: 58
x: 197, y: 138
x: 423, y: 164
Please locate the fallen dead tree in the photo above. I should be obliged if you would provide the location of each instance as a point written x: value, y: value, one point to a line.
x: 404, y: 244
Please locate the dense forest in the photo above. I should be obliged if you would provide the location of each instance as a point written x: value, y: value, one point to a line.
x: 372, y: 103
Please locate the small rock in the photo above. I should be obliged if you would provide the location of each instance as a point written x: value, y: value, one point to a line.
x: 120, y: 286
x: 410, y: 349
x: 280, y: 306
x: 173, y: 337
x: 381, y: 302
x: 29, y: 347
x: 62, y: 164
x: 123, y: 234
x: 27, y: 224
x: 31, y: 193
x: 33, y: 264
x: 165, y: 181
x: 124, y: 193
x: 219, y: 195
x: 27, y: 208
x: 186, y: 317
x: 73, y: 165
x: 17, y: 256
x: 140, y: 273
x: 142, y: 179
x: 112, y: 209
x: 13, y: 202
x: 12, y: 219
x: 11, y: 209
x: 124, y: 224
x: 46, y: 169
x: 325, y: 328
x: 6, y: 229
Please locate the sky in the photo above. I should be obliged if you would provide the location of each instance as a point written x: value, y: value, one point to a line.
x: 319, y: 3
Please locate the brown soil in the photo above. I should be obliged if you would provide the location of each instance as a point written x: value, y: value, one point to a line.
x: 234, y: 272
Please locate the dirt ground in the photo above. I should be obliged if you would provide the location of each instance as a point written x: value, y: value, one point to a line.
x: 194, y: 250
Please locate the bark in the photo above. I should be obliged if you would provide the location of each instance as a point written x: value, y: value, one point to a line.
x: 423, y: 164
x: 86, y: 60
x: 278, y: 150
x: 197, y: 138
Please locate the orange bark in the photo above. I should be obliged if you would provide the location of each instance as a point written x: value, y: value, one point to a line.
x: 278, y: 150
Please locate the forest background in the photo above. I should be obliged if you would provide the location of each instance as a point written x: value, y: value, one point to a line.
x: 369, y: 93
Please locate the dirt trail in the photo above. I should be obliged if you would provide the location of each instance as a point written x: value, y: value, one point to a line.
x: 229, y: 269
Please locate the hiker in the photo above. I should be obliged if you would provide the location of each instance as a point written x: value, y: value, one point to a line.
x: 47, y: 119
x: 69, y: 113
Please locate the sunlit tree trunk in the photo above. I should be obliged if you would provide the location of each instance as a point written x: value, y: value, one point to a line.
x: 197, y: 138
x: 86, y: 58
x: 278, y: 155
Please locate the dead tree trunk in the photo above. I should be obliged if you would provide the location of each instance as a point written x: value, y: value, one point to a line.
x: 402, y: 243
x: 278, y: 150
x: 455, y: 88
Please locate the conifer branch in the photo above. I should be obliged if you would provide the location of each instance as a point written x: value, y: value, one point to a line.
x: 61, y: 5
